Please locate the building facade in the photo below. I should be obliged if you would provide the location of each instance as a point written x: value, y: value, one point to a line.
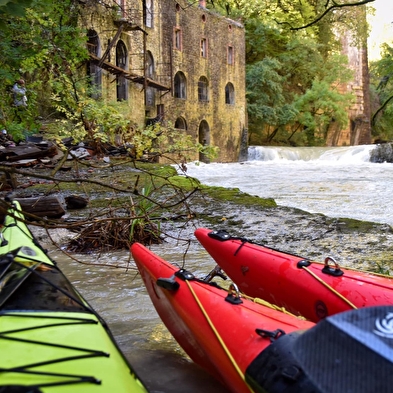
x: 173, y: 62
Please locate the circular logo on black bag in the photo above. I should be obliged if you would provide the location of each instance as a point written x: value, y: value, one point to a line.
x: 384, y: 326
x: 321, y: 310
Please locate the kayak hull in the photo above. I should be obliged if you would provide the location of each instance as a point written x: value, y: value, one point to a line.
x: 218, y: 335
x: 313, y: 290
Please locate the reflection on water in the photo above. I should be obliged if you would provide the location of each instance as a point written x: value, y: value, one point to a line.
x: 121, y: 299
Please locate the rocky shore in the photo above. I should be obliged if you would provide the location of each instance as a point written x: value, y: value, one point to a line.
x: 352, y: 243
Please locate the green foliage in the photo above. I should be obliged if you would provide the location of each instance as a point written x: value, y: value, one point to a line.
x: 12, y: 8
x: 285, y: 61
x: 381, y: 79
x: 265, y: 97
x: 145, y: 227
x: 165, y: 140
x: 44, y: 46
x: 93, y: 120
x: 285, y: 73
x: 318, y: 107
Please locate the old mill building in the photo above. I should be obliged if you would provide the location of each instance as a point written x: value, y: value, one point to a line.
x: 171, y: 61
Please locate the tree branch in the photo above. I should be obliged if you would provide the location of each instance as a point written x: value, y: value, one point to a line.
x: 335, y: 5
x: 380, y: 109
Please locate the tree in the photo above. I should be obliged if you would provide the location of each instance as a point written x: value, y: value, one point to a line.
x: 267, y: 107
x: 382, y: 91
x: 317, y: 108
x: 282, y: 66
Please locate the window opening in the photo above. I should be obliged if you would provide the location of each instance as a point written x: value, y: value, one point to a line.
x: 180, y: 85
x: 204, y: 139
x: 229, y: 93
x: 177, y: 39
x: 203, y: 89
x: 121, y: 62
x: 93, y: 71
x: 203, y: 47
x: 230, y: 55
x: 150, y: 95
x: 148, y: 13
x: 180, y: 123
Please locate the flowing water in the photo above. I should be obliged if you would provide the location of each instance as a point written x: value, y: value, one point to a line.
x: 338, y: 182
x: 121, y: 299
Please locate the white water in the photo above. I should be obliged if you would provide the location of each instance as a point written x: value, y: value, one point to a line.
x: 337, y: 182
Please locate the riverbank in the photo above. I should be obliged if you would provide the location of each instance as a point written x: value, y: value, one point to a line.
x: 354, y: 243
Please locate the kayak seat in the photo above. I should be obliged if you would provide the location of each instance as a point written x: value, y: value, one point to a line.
x: 39, y: 292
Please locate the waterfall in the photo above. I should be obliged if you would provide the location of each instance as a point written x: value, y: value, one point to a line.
x: 359, y: 153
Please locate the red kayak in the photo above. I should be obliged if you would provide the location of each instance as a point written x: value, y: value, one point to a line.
x: 303, y: 287
x: 253, y: 348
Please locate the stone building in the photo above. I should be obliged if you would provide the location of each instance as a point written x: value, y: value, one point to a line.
x: 173, y: 62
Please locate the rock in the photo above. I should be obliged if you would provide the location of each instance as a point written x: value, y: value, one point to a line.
x: 382, y: 153
x: 75, y: 202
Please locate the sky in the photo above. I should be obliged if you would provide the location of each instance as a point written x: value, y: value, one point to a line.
x: 381, y: 27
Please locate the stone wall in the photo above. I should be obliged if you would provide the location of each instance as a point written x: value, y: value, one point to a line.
x: 209, y: 121
x: 358, y: 131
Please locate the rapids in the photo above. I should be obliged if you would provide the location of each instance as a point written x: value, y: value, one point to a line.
x: 337, y: 182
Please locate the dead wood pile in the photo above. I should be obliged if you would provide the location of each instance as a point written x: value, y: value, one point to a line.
x: 113, y: 234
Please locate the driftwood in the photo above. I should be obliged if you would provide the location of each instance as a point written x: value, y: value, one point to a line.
x: 29, y: 151
x: 45, y: 206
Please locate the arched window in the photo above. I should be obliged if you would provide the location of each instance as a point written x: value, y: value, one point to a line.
x: 203, y: 93
x: 150, y: 96
x: 180, y: 123
x: 121, y: 62
x: 180, y: 90
x: 93, y: 71
x: 204, y: 139
x: 229, y: 94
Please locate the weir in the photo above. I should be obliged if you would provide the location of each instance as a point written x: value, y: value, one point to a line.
x: 359, y: 153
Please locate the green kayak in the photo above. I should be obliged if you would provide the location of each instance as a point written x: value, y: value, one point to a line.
x: 51, y: 339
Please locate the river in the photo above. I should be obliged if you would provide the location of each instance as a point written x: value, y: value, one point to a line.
x: 338, y: 182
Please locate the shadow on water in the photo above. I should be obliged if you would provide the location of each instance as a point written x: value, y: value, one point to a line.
x: 121, y: 299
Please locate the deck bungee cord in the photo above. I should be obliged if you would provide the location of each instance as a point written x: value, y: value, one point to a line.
x: 326, y: 285
x: 24, y: 369
x: 219, y: 338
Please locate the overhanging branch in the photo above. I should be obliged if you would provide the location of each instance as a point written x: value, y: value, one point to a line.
x: 335, y: 5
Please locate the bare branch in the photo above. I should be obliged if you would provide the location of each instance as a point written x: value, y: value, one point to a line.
x: 335, y: 5
x: 373, y: 120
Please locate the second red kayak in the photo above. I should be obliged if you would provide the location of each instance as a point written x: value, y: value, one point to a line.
x: 253, y: 348
x: 303, y: 287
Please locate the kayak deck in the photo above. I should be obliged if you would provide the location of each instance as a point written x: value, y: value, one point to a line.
x: 311, y: 289
x: 215, y: 328
x: 51, y: 339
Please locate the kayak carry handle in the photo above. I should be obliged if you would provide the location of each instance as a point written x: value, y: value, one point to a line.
x: 336, y: 271
x: 233, y: 296
x: 217, y: 271
x: 169, y: 284
x: 220, y: 234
